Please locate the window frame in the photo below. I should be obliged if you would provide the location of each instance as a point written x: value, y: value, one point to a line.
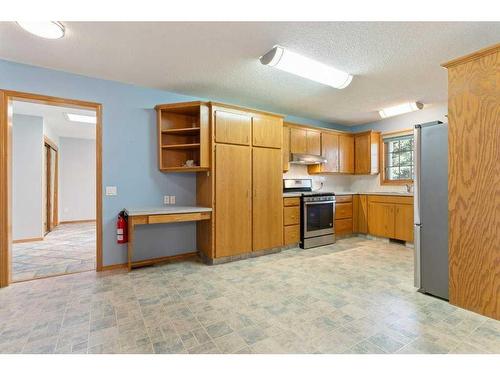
x: 383, y: 179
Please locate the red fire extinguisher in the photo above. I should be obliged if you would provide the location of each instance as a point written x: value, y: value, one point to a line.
x: 121, y: 228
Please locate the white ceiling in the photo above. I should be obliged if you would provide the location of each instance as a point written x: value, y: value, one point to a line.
x: 391, y: 62
x: 55, y: 119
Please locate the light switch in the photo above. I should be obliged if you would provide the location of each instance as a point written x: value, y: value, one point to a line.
x: 111, y: 190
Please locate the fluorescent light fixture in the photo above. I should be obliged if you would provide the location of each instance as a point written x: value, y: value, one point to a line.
x: 305, y: 67
x: 400, y: 109
x: 81, y: 118
x: 46, y: 29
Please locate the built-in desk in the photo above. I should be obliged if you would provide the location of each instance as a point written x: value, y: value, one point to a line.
x: 160, y: 215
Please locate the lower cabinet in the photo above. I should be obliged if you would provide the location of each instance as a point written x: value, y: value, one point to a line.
x: 360, y: 213
x: 291, y: 221
x: 343, y: 215
x: 391, y: 217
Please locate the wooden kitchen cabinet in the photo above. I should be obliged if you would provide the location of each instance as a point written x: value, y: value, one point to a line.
x: 267, y: 131
x: 330, y: 151
x: 313, y: 144
x: 298, y: 141
x: 403, y: 224
x: 381, y: 219
x: 286, y: 149
x: 360, y: 214
x: 366, y: 152
x: 291, y: 234
x: 233, y: 184
x: 291, y: 220
x: 267, y: 198
x: 232, y: 127
x: 343, y: 215
x: 346, y: 153
x: 291, y: 215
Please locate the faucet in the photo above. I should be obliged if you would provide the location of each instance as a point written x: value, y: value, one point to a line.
x: 409, y: 188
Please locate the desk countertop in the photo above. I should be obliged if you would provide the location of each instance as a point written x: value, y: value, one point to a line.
x: 166, y: 210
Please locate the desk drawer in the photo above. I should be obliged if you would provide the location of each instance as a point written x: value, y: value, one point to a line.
x: 177, y: 218
x: 291, y: 215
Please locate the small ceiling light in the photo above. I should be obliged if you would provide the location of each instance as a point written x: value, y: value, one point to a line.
x: 400, y: 109
x: 305, y: 67
x: 46, y: 29
x: 81, y: 118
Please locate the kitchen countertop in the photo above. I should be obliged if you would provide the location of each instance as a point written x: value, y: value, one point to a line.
x: 166, y: 210
x: 402, y: 194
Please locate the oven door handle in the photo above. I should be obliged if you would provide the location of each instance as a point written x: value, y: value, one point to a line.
x: 319, y: 202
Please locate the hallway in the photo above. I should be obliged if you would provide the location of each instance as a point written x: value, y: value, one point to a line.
x: 69, y: 248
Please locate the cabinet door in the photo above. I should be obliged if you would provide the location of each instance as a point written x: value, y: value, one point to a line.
x: 233, y: 200
x: 286, y: 148
x: 381, y: 219
x: 346, y: 154
x: 291, y: 234
x: 330, y: 151
x: 298, y: 141
x: 267, y: 199
x: 404, y: 222
x: 267, y: 131
x: 313, y: 146
x: 360, y: 214
x: 362, y: 154
x: 232, y: 128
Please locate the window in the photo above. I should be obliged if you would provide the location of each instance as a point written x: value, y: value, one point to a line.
x: 398, y: 159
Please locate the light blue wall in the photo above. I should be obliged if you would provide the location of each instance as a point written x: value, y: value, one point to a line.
x: 129, y: 155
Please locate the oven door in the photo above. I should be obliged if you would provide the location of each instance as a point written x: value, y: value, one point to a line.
x: 318, y: 218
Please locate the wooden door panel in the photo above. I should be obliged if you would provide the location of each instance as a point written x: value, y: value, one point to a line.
x: 233, y: 201
x: 330, y: 151
x: 404, y: 222
x: 362, y: 153
x: 313, y: 142
x: 346, y: 154
x: 286, y: 149
x: 381, y: 219
x: 232, y: 128
x: 267, y: 198
x: 298, y: 141
x: 267, y: 131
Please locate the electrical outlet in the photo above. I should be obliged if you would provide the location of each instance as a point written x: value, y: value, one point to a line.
x: 166, y: 199
x: 172, y: 199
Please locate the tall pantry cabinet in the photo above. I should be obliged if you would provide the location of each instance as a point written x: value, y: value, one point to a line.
x: 244, y: 185
x: 474, y: 181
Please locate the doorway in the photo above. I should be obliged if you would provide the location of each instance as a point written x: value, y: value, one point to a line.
x: 67, y: 209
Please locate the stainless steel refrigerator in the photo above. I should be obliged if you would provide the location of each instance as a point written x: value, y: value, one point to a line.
x: 431, y: 208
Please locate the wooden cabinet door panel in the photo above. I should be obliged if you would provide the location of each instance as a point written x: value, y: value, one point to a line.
x: 232, y: 128
x: 295, y: 201
x: 291, y: 215
x: 267, y: 131
x: 298, y: 141
x: 313, y: 142
x: 346, y: 154
x: 362, y: 153
x: 381, y: 219
x: 286, y: 148
x: 404, y: 222
x: 330, y: 151
x: 267, y: 198
x: 360, y: 214
x: 343, y: 210
x: 233, y: 200
x: 343, y: 226
x: 291, y: 234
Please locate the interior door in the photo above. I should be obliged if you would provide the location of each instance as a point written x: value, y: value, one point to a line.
x: 233, y: 200
x: 267, y: 199
x: 50, y: 218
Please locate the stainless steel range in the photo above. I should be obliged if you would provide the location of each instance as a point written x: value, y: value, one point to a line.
x: 317, y: 213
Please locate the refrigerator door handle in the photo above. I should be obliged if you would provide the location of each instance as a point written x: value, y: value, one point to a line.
x: 416, y: 188
x: 417, y: 257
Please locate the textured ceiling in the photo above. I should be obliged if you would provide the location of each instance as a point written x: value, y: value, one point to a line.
x: 55, y: 119
x: 391, y: 62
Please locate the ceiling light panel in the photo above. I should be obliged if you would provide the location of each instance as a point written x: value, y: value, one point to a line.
x: 303, y: 66
x: 400, y: 109
x: 45, y: 29
x: 81, y: 118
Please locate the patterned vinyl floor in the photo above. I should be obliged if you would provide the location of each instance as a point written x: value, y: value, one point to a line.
x: 68, y: 248
x: 355, y: 296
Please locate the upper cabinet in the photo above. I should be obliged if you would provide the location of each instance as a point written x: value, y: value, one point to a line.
x: 305, y: 141
x: 286, y: 149
x: 366, y: 152
x: 330, y: 151
x: 233, y: 128
x: 183, y: 137
x: 338, y: 150
x: 267, y: 131
x: 346, y: 153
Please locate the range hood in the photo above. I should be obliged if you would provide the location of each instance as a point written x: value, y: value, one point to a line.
x: 306, y: 159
